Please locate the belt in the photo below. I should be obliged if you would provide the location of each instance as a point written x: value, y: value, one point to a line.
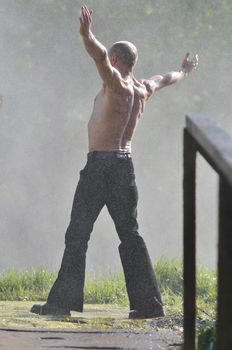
x: 108, y: 155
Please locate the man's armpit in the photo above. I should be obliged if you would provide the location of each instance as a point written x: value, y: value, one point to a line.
x: 108, y: 74
x: 150, y: 86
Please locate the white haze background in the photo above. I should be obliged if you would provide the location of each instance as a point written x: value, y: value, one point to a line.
x: 48, y: 84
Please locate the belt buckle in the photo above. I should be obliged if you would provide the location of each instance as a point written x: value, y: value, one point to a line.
x: 121, y: 156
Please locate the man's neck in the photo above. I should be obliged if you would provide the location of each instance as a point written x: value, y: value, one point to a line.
x: 126, y: 75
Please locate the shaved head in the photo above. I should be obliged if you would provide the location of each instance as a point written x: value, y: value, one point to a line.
x: 126, y: 51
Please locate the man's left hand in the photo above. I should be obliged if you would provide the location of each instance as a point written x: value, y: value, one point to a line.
x: 188, y: 65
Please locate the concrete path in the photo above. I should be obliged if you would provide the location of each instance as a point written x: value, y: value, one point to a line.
x: 30, y: 339
x: 99, y: 327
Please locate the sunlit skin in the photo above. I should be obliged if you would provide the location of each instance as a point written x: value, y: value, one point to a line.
x: 120, y: 103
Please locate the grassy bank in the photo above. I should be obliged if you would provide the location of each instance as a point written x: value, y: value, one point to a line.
x: 110, y: 289
x: 35, y: 285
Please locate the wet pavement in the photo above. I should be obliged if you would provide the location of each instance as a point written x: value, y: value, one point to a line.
x: 25, y: 339
x: 99, y: 327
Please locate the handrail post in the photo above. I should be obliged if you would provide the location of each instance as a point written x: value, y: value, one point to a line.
x: 203, y: 135
x: 224, y: 306
x: 189, y: 242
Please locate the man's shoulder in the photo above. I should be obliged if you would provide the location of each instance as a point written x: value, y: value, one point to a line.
x: 119, y: 85
x: 140, y: 87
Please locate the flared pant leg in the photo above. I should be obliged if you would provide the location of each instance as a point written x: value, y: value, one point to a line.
x: 67, y: 291
x: 141, y: 284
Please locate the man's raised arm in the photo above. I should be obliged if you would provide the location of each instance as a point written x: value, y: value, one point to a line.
x: 94, y: 48
x: 157, y: 82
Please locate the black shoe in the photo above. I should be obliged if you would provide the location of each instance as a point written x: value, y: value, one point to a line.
x: 137, y: 314
x: 48, y: 309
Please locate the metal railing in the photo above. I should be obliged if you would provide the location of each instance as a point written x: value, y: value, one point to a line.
x: 202, y: 134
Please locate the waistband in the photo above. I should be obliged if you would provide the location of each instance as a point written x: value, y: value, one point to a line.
x: 108, y: 155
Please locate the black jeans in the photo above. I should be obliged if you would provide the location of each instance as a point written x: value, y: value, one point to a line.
x: 106, y: 181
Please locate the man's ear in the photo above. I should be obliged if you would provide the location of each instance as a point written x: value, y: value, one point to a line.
x: 113, y: 59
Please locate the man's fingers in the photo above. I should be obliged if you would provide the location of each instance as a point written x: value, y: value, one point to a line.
x: 186, y: 56
x: 195, y: 61
x: 88, y: 12
x: 86, y: 15
x: 186, y: 59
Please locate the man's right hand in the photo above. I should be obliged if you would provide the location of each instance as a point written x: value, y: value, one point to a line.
x: 85, y: 21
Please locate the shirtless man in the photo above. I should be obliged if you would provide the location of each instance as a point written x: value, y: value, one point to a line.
x: 108, y: 179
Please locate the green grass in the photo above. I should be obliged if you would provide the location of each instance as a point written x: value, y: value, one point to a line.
x: 207, y: 336
x: 110, y: 289
x: 26, y: 285
x: 170, y: 279
x: 106, y: 290
x: 16, y: 314
x: 35, y: 285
